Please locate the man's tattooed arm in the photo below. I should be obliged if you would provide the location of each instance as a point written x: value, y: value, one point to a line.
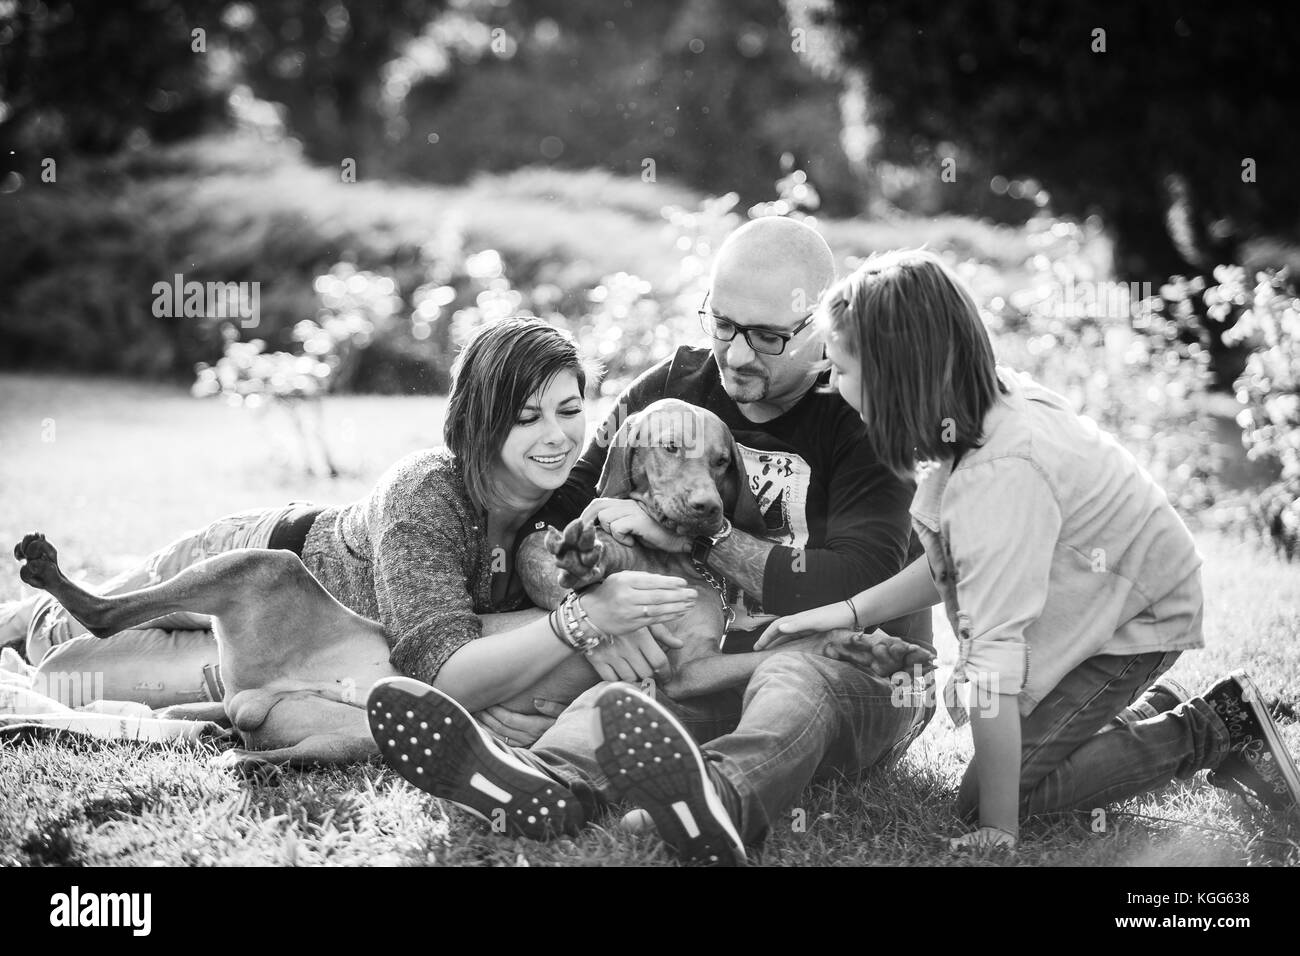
x: 743, y: 559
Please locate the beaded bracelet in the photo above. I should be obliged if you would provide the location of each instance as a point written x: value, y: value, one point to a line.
x: 569, y: 617
x: 572, y: 635
x: 586, y: 626
x: 586, y: 620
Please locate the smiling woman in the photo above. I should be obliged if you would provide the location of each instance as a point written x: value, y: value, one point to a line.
x: 515, y: 418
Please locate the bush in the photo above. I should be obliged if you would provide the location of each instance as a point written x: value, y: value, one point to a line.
x: 1113, y: 353
x: 1270, y: 390
x: 85, y: 253
x: 1143, y: 372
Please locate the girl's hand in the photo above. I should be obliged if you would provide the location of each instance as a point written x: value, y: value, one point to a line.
x: 982, y: 839
x: 630, y: 600
x: 879, y: 653
x: 819, y: 620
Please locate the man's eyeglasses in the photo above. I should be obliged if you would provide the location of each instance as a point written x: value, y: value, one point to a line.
x: 764, y: 341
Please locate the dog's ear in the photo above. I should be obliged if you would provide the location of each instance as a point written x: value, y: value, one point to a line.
x: 622, y: 473
x: 738, y: 501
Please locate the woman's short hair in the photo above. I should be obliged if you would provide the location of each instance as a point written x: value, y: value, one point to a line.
x: 928, y: 371
x: 495, y: 374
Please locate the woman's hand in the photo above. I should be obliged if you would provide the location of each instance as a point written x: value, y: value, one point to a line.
x: 630, y: 600
x: 636, y: 656
x: 982, y: 839
x: 521, y: 730
x: 818, y: 620
x: 628, y: 523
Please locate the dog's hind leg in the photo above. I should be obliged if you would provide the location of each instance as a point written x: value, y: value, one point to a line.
x: 240, y: 588
x: 205, y: 587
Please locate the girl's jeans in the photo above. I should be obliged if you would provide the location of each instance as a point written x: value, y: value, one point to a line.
x: 1074, y: 756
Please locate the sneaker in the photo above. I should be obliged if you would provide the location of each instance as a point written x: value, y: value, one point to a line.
x: 650, y: 760
x: 1257, y: 763
x: 437, y: 746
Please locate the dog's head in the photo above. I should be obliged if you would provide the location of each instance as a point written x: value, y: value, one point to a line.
x: 681, y: 463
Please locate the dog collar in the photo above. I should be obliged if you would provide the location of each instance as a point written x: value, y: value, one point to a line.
x: 723, y: 533
x: 702, y: 545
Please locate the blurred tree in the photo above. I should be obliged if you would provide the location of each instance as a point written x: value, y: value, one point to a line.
x: 86, y: 76
x: 1176, y: 119
x: 705, y: 92
x: 322, y: 60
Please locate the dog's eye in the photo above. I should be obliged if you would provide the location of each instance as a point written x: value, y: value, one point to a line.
x: 671, y: 447
x: 721, y: 462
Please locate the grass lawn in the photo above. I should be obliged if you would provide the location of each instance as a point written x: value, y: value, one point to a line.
x: 110, y: 470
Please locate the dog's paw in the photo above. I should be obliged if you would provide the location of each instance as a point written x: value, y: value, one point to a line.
x: 41, y: 561
x: 247, y: 764
x: 577, y: 554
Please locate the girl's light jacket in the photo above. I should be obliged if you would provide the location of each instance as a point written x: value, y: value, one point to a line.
x: 1051, y: 544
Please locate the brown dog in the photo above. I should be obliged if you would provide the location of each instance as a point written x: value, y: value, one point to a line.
x: 681, y: 464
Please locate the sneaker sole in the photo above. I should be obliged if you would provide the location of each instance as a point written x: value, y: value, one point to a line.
x: 438, y: 747
x: 1286, y: 766
x: 651, y: 761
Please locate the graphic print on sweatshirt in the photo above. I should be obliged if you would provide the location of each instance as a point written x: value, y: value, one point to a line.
x: 779, y: 480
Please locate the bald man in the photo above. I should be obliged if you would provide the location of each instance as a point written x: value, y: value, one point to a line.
x: 727, y: 765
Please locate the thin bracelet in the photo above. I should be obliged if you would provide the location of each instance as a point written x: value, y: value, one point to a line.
x: 555, y: 629
x: 572, y: 629
x: 857, y: 625
x: 568, y: 624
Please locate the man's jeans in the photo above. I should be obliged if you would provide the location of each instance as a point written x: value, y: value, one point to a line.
x: 800, y: 718
x: 164, y: 663
x: 1075, y: 756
